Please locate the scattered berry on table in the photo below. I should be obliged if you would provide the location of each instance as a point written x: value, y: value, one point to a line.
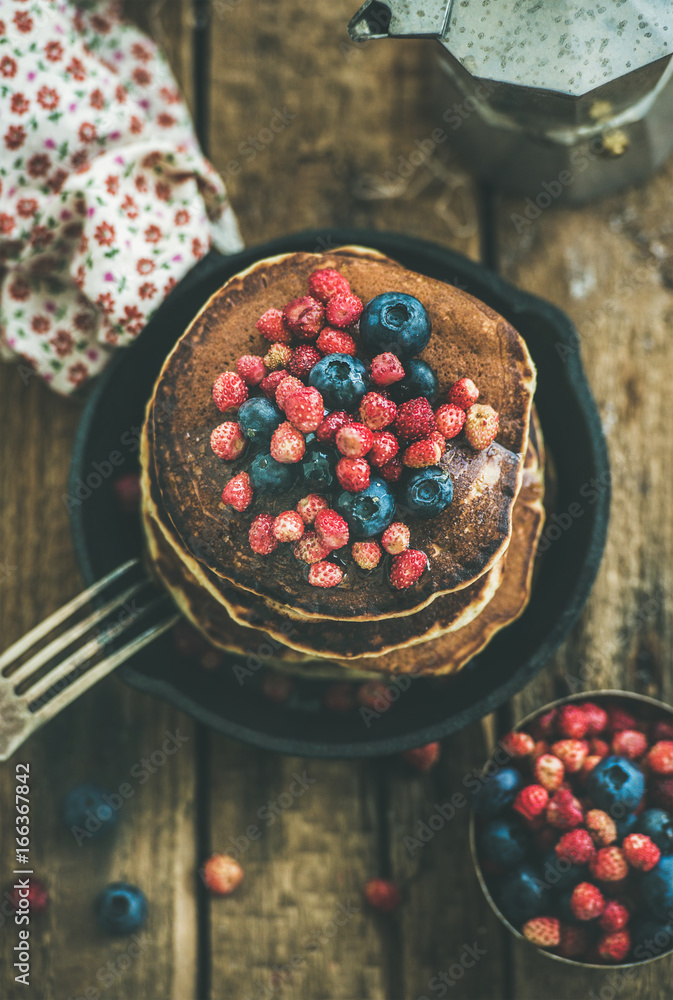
x: 229, y: 391
x: 228, y: 441
x: 423, y: 758
x: 339, y: 697
x: 463, y: 393
x: 87, y: 811
x: 395, y: 538
x: 222, y: 874
x: 382, y: 894
x: 288, y: 526
x: 261, y: 536
x: 481, y: 426
x: 272, y: 326
x: 367, y: 555
x: 238, y: 492
x: 121, y: 908
x: 304, y: 317
x: 251, y: 369
x: 325, y: 574
x: 276, y: 687
x: 37, y: 898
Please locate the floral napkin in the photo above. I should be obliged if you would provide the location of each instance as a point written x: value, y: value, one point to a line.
x: 106, y: 200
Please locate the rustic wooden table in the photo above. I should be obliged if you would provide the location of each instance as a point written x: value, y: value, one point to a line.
x: 355, y: 112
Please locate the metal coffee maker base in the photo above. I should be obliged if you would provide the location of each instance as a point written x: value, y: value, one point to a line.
x: 546, y: 100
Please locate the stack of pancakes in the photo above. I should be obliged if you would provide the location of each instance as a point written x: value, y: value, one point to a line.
x: 481, y: 548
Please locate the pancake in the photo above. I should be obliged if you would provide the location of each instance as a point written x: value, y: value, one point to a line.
x: 463, y: 543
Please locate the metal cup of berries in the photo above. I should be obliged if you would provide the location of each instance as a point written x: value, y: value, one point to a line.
x: 572, y: 829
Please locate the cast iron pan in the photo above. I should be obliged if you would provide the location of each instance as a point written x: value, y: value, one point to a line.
x: 105, y: 536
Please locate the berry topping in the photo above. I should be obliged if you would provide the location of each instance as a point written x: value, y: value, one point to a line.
x: 415, y: 420
x: 407, y: 568
x: 227, y: 441
x: 325, y: 574
x: 341, y: 380
x: 302, y: 360
x: 277, y: 357
x: 616, y: 781
x: 288, y: 526
x: 353, y: 474
x: 597, y: 718
x: 395, y: 538
x: 386, y: 369
x: 564, y: 811
x: 629, y: 743
x: 450, y: 420
x: 259, y: 418
x: 481, y: 426
x: 531, y: 801
x: 517, y: 744
x: 305, y: 317
x: 269, y: 384
x: 385, y: 446
x: 222, y: 874
x: 121, y: 908
x: 423, y: 758
x: 609, y: 865
x: 395, y: 323
x: 382, y: 895
x: 331, y: 529
x: 309, y: 506
x: 251, y: 369
x: 614, y: 947
x: 272, y: 326
x: 354, y: 440
x: 269, y: 476
x: 310, y: 549
x: 327, y: 431
x: 419, y: 380
x: 326, y: 282
x: 658, y: 826
x: 572, y: 752
x: 229, y: 391
x: 238, y: 492
x: 261, y: 536
x: 367, y: 555
x: 576, y: 846
x: 370, y: 511
x: 574, y: 941
x: 615, y: 916
x: 377, y: 411
x: 660, y: 757
x: 422, y: 454
x: 587, y: 901
x: 427, y: 492
x: 572, y: 722
x: 343, y: 309
x: 463, y: 393
x: 392, y: 470
x: 641, y: 852
x: 304, y: 409
x: 333, y: 341
x: 286, y: 387
x: 545, y: 932
x: 549, y: 771
x: 601, y: 827
x: 319, y: 466
x: 287, y: 444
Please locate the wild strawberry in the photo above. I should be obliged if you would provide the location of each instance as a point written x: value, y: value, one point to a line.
x: 641, y: 852
x: 386, y: 370
x: 481, y: 426
x: 415, y: 420
x: 335, y: 342
x: 576, y: 846
x: 269, y: 384
x: 343, y: 309
x: 609, y: 865
x: 353, y: 474
x: 302, y: 360
x: 544, y: 726
x: 251, y: 369
x: 272, y: 326
x: 517, y: 744
x: 587, y: 901
x: 276, y: 687
x: 574, y: 941
x: 531, y: 801
x: 377, y: 411
x: 614, y: 947
x: 339, y: 697
x: 629, y: 743
x: 325, y: 574
x: 309, y: 506
x: 277, y: 357
x: 238, y: 492
x: 127, y: 492
x: 366, y: 554
x: 439, y: 440
x: 287, y: 444
x: 572, y: 752
x: 450, y: 420
x: 229, y: 391
x: 331, y: 529
x: 549, y: 771
x: 310, y: 549
x: 463, y: 393
x: 660, y: 757
x: 392, y: 470
x: 598, y: 748
x: 662, y: 730
x: 305, y: 317
x: 615, y: 916
x: 327, y: 431
x: 288, y: 526
x: 262, y: 539
x: 564, y: 811
x: 395, y: 538
x: 424, y: 758
x: 661, y: 790
x: 228, y: 440
x: 601, y: 826
x: 408, y: 567
x: 304, y: 409
x: 354, y: 440
x: 588, y: 765
x: 222, y: 874
x: 286, y: 387
x: 421, y: 454
x: 384, y: 448
x: 374, y: 694
x: 37, y: 896
x: 540, y: 748
x: 619, y: 718
x: 572, y: 721
x: 545, y: 932
x: 596, y: 717
x: 326, y: 282
x: 382, y: 894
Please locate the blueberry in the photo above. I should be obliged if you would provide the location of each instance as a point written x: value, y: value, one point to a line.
x: 368, y: 512
x: 656, y: 887
x: 497, y: 792
x: 394, y: 322
x: 86, y: 808
x: 522, y: 894
x: 269, y: 476
x: 624, y: 824
x: 559, y: 873
x: 121, y: 908
x: 318, y: 466
x: 616, y: 784
x: 259, y: 418
x: 504, y: 842
x: 341, y: 380
x: 419, y: 380
x: 427, y: 492
x: 658, y: 826
x: 563, y: 907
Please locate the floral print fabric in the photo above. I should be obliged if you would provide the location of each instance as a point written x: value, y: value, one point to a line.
x: 106, y: 200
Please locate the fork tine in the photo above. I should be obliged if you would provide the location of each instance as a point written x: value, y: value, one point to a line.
x: 44, y: 628
x: 85, y: 652
x: 61, y: 642
x: 96, y: 673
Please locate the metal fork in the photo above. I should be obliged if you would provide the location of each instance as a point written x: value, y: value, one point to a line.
x: 34, y: 690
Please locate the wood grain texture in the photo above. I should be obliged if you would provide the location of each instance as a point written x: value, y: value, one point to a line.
x: 609, y: 267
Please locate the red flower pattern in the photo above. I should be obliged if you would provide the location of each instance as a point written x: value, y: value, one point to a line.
x: 105, y: 234
x: 19, y: 104
x: 15, y: 136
